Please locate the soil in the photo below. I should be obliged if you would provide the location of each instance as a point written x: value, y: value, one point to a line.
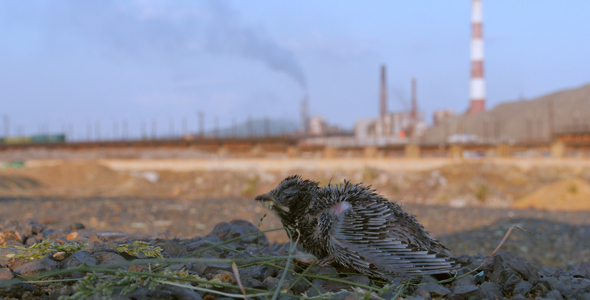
x: 567, y: 194
x: 484, y: 183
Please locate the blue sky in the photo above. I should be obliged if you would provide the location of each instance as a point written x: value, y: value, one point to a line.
x: 79, y: 62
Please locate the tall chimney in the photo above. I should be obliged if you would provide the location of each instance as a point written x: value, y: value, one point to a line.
x: 304, y: 116
x: 383, y: 106
x: 477, y: 84
x: 414, y: 103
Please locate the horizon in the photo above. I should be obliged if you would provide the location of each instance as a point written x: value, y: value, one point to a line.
x: 80, y: 63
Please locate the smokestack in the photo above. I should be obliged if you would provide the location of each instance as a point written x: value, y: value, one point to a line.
x: 477, y: 84
x: 304, y: 116
x: 414, y: 102
x: 383, y: 106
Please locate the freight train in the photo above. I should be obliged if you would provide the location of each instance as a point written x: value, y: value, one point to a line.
x: 35, y: 139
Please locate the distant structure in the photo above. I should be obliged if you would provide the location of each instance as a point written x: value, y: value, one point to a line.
x: 317, y: 125
x: 304, y: 116
x: 538, y: 120
x: 477, y: 84
x: 441, y: 114
x: 383, y: 96
x: 390, y: 127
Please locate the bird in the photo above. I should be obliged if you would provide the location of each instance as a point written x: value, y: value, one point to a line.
x: 351, y: 226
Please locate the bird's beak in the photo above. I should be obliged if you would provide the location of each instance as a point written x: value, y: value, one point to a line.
x: 264, y: 198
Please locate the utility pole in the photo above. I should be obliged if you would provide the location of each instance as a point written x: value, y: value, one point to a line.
x: 551, y: 124
x: 6, y: 126
x: 201, y: 115
x: 125, y: 131
x: 115, y: 130
x: 414, y: 113
x: 143, y: 130
x: 97, y: 130
x: 216, y: 128
x: 154, y: 128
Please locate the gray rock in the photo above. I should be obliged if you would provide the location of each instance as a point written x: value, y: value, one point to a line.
x: 432, y: 289
x: 5, y: 274
x: 317, y: 290
x: 31, y: 240
x: 334, y: 286
x: 490, y: 290
x: 583, y: 296
x: 428, y: 279
x: 77, y: 226
x: 171, y: 247
x: 270, y: 283
x: 511, y: 283
x: 200, y: 246
x: 77, y: 258
x: 518, y: 297
x: 345, y: 296
x: 257, y: 272
x: 463, y: 292
x: 583, y: 270
x: 95, y: 242
x: 326, y: 271
x: 14, y: 263
x: 33, y: 227
x: 183, y: 293
x: 199, y: 268
x: 506, y: 264
x: 139, y: 293
x: 549, y: 282
x: 36, y: 266
x: 466, y: 280
x: 240, y: 257
x: 51, y: 234
x: 236, y: 228
x: 10, y: 235
x: 3, y: 256
x: 539, y: 290
x: 420, y: 297
x: 250, y: 282
x: 358, y: 279
x: 212, y: 267
x: 522, y: 288
x: 554, y: 294
x: 502, y: 271
x: 107, y: 258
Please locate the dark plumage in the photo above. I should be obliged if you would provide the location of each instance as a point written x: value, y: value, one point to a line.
x: 352, y: 226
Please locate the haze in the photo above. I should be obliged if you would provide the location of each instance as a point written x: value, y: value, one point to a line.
x: 79, y: 62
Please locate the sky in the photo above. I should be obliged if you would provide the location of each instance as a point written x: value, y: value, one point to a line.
x: 72, y: 65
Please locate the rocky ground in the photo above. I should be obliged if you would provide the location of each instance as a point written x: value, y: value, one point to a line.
x: 559, y: 239
x: 259, y: 268
x: 467, y: 206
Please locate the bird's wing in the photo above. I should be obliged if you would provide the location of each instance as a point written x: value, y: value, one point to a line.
x: 368, y: 238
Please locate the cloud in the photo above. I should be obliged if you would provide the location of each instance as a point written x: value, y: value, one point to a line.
x: 227, y: 35
x: 141, y: 28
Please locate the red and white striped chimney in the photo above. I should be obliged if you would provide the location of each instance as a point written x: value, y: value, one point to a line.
x: 477, y: 85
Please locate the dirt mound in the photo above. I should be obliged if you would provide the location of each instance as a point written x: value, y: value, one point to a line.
x: 67, y: 179
x: 567, y: 194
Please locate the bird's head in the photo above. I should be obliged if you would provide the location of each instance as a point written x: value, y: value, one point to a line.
x: 290, y: 198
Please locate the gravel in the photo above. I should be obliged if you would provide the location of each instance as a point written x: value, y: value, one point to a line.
x: 506, y: 276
